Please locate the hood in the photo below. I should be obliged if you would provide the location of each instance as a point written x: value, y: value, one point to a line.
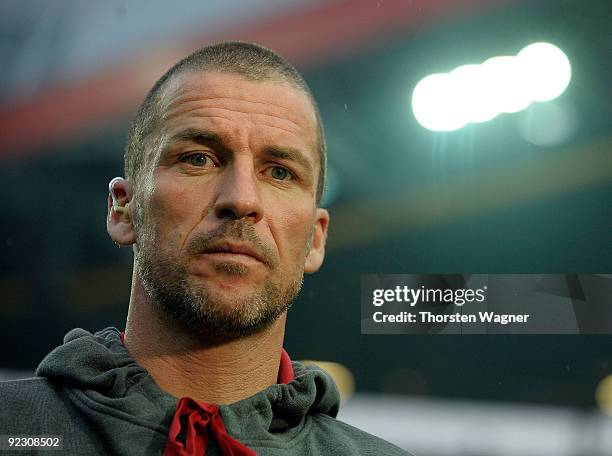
x: 99, y: 367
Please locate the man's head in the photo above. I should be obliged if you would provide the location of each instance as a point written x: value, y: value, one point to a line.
x: 251, y: 61
x: 225, y: 167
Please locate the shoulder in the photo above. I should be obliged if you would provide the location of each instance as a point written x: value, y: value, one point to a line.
x: 26, y: 399
x: 347, y: 439
x: 25, y: 393
x: 13, y: 390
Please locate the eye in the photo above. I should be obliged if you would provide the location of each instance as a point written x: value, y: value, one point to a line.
x: 280, y: 173
x: 197, y: 159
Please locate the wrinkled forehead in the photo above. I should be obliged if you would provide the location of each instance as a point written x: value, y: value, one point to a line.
x: 274, y: 97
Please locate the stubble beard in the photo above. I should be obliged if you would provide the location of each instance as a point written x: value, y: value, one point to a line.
x: 209, y: 315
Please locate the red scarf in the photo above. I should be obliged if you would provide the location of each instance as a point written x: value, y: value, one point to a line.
x: 199, y: 421
x: 196, y: 421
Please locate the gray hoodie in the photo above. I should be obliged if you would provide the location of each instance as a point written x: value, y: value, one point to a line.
x: 90, y: 391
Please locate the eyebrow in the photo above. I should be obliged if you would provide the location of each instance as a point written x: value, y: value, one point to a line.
x: 194, y: 135
x: 290, y: 153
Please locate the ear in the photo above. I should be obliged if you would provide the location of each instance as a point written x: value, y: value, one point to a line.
x: 315, y: 256
x: 119, y: 220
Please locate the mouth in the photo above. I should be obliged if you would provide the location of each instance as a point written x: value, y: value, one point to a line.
x: 233, y: 251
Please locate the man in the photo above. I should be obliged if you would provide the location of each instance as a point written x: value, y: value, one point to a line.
x: 225, y: 167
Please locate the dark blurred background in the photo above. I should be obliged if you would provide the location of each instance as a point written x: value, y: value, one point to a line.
x: 529, y: 192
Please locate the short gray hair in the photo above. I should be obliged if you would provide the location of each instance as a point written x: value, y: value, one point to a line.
x: 251, y: 61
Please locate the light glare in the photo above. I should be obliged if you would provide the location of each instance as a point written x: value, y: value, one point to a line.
x: 474, y: 94
x: 547, y: 68
x: 434, y: 106
x: 477, y: 93
x: 507, y: 84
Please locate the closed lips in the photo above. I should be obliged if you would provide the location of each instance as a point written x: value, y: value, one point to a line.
x: 233, y: 249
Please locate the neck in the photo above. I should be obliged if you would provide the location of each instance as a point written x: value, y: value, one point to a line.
x: 181, y: 366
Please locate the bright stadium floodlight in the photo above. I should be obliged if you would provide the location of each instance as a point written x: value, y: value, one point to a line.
x: 547, y: 69
x: 474, y: 93
x: 434, y: 104
x: 509, y: 81
x: 477, y: 93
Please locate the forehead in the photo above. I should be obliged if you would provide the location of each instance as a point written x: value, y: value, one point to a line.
x: 275, y: 107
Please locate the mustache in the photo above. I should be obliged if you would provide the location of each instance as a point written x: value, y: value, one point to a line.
x: 238, y: 231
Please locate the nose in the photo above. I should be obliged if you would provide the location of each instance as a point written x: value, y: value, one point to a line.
x: 238, y: 193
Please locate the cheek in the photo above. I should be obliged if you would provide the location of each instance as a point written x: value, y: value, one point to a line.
x: 172, y: 211
x: 296, y: 228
